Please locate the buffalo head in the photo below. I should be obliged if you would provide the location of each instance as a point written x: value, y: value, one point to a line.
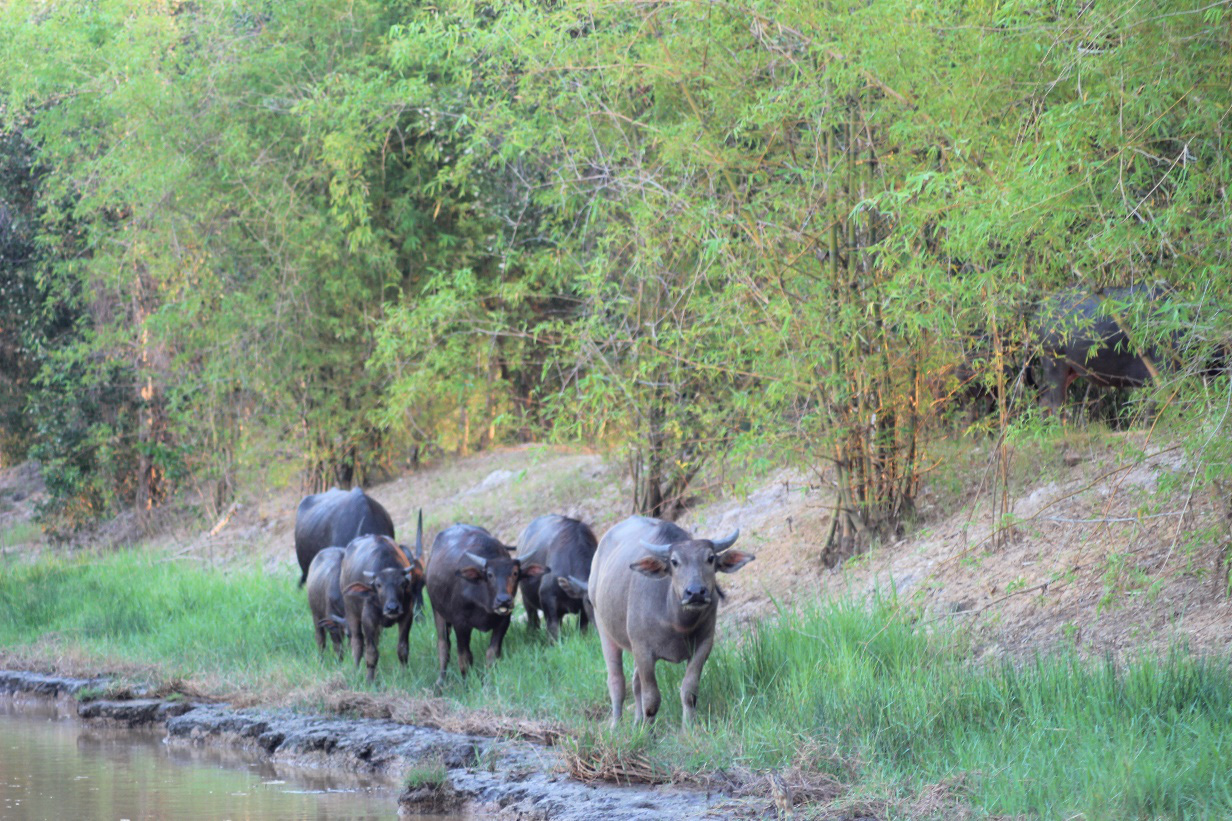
x: 491, y: 583
x: 692, y: 566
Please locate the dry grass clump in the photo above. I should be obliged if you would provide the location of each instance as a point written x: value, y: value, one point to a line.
x: 436, y: 713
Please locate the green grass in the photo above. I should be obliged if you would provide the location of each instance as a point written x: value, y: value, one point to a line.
x: 1054, y: 737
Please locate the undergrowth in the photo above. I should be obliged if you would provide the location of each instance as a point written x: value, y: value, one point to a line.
x: 837, y: 691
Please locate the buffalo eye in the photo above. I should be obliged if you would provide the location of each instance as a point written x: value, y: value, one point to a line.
x: 675, y: 562
x: 710, y: 559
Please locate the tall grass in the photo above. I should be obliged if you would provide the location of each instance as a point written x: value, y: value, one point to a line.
x: 1055, y: 737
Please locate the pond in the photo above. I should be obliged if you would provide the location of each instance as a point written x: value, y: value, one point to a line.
x: 55, y: 767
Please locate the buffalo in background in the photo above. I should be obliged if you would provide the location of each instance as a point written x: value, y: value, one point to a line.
x: 333, y: 519
x: 566, y: 546
x: 1080, y: 336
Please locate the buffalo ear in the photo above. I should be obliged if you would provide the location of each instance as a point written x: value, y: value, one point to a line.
x: 470, y: 573
x: 732, y: 560
x: 534, y: 570
x: 651, y: 566
x: 358, y: 587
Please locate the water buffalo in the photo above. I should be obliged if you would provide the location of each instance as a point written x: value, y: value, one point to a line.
x: 325, y: 597
x: 381, y: 586
x: 1078, y: 336
x: 567, y: 547
x: 333, y: 519
x: 472, y: 579
x: 654, y: 594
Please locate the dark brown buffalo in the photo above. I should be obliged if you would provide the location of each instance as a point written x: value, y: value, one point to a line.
x: 654, y: 593
x: 472, y: 580
x: 567, y: 547
x: 1079, y: 337
x: 325, y: 597
x: 381, y: 586
x: 333, y: 519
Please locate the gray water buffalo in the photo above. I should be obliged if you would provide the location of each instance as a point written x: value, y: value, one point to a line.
x: 325, y: 597
x: 1079, y: 337
x: 567, y: 547
x: 655, y: 595
x: 381, y: 586
x: 472, y: 580
x: 333, y: 519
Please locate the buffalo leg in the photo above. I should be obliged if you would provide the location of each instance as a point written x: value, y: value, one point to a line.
x: 637, y: 695
x: 465, y: 659
x: 551, y: 615
x: 582, y: 620
x: 693, y: 675
x: 336, y: 635
x: 372, y: 637
x: 442, y: 647
x: 404, y: 632
x: 498, y: 639
x: 354, y: 616
x: 532, y: 615
x: 649, y: 686
x: 613, y: 658
x: 320, y: 638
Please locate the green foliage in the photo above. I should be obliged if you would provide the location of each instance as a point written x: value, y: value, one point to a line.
x: 774, y: 231
x: 426, y: 776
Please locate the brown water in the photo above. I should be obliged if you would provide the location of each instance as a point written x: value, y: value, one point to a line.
x: 54, y: 767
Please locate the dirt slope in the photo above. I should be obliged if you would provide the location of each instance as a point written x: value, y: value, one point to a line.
x: 1101, y: 557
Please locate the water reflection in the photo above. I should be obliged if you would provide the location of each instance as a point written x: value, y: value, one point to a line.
x: 53, y: 767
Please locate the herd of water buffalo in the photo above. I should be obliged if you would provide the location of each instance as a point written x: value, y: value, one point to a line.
x: 648, y: 585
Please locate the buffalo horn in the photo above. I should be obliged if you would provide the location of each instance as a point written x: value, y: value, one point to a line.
x: 419, y: 536
x: 727, y: 541
x: 659, y: 551
x: 479, y: 560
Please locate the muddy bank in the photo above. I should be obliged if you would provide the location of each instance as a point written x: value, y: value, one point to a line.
x: 483, y: 776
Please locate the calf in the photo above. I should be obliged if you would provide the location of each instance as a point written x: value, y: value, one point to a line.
x: 472, y: 579
x: 381, y: 586
x: 325, y: 597
x: 654, y: 594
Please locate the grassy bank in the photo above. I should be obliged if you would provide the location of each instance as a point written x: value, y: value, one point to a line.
x: 858, y: 692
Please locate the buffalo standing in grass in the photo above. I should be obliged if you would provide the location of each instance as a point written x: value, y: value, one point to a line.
x: 325, y: 597
x: 655, y: 595
x: 567, y: 547
x: 333, y: 519
x: 381, y: 586
x: 472, y: 580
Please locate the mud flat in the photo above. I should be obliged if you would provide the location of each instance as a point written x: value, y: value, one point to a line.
x: 484, y: 777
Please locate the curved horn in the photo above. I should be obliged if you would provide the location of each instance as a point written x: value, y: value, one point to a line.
x: 727, y: 541
x: 479, y: 560
x: 659, y: 551
x: 419, y: 536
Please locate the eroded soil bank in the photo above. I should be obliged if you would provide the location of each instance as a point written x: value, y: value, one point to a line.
x: 485, y: 777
